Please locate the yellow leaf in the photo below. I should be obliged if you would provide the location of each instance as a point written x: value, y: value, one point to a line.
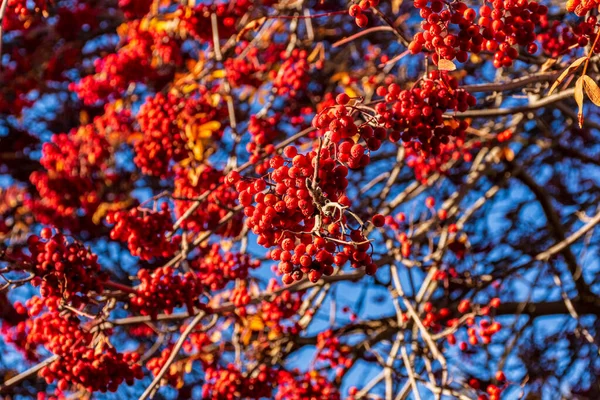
x: 571, y: 68
x: 221, y: 73
x: 198, y: 151
x: 579, y: 99
x: 187, y: 89
x: 340, y: 76
x: 255, y: 323
x: 211, y: 126
x: 592, y: 89
x: 446, y: 65
x: 246, y: 336
x: 350, y: 92
x: 188, y: 366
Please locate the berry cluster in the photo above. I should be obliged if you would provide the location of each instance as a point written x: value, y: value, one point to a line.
x: 145, y: 57
x: 293, y: 74
x: 476, y: 334
x: 229, y: 383
x: 331, y: 351
x: 339, y: 123
x: 206, y: 184
x: 305, y: 221
x: 95, y: 365
x: 500, y: 27
x: 558, y: 38
x: 145, y: 231
x: 63, y: 269
x: 195, y: 20
x: 310, y: 385
x: 264, y: 132
x: 174, y: 129
x: 358, y: 11
x: 173, y: 376
x: 215, y: 269
x: 424, y: 165
x: 163, y: 290
x: 417, y: 115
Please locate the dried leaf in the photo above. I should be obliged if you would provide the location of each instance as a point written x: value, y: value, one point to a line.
x: 592, y: 89
x: 570, y: 69
x: 252, y: 26
x: 579, y: 99
x: 446, y: 65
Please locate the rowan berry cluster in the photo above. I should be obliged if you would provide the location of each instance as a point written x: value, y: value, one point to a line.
x: 145, y: 231
x: 215, y: 269
x: 558, y: 38
x: 424, y: 165
x: 172, y: 376
x: 304, y: 220
x: 195, y: 20
x: 95, y: 365
x: 136, y: 61
x: 283, y: 306
x: 173, y: 130
x: 310, y: 385
x: 293, y: 74
x: 264, y: 132
x: 450, y: 30
x: 476, y: 333
x: 331, y: 351
x: 492, y: 391
x: 358, y: 11
x: 581, y: 7
x: 338, y: 122
x: 416, y: 116
x: 249, y: 69
x: 206, y: 184
x: 229, y: 383
x: 76, y: 167
x: 164, y: 289
x: 62, y: 268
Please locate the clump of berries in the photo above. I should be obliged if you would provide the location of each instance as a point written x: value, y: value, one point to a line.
x: 62, y: 268
x: 145, y: 231
x: 163, y: 290
x: 358, y: 11
x: 450, y: 31
x: 302, y: 213
x: 416, y: 116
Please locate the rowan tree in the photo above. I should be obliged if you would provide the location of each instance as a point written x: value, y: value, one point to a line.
x: 312, y: 199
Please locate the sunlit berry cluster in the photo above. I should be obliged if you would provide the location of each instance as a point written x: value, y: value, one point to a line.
x: 452, y: 30
x: 559, y: 38
x: 417, y: 115
x: 95, y: 365
x: 63, y: 268
x: 216, y: 268
x: 229, y: 383
x: 205, y: 184
x: 145, y: 231
x: 310, y: 385
x: 358, y: 11
x: 137, y: 61
x: 163, y: 290
x: 306, y: 222
x: 173, y: 130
